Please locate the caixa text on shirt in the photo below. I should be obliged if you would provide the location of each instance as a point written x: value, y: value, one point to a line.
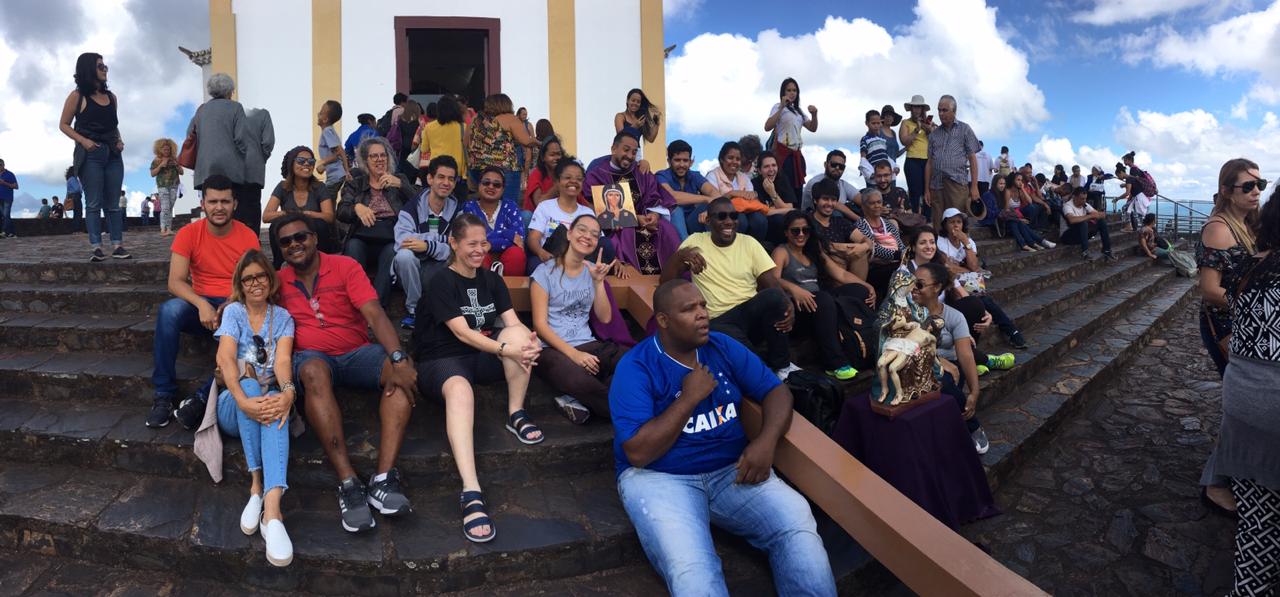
x: 711, y: 419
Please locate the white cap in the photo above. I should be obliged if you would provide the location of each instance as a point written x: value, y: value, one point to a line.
x: 951, y: 212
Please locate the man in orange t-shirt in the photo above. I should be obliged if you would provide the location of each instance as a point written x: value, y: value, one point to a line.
x: 204, y: 258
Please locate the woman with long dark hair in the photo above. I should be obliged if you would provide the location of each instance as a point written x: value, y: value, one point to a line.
x: 563, y: 293
x: 96, y: 131
x: 443, y: 136
x: 641, y: 115
x: 300, y: 192
x: 542, y: 184
x: 1013, y: 197
x: 817, y: 284
x: 786, y: 122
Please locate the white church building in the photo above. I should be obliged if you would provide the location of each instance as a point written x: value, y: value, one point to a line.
x: 570, y: 61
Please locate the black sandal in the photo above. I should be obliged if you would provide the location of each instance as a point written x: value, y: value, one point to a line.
x: 520, y: 425
x: 472, y: 502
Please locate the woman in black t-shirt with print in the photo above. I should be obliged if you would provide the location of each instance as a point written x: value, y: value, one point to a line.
x: 457, y: 343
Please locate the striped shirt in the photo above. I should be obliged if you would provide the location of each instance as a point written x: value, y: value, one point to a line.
x: 949, y: 151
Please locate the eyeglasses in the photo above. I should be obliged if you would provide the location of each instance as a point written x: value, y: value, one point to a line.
x: 258, y: 279
x: 798, y: 230
x: 102, y: 67
x: 491, y: 183
x: 835, y: 165
x: 301, y: 237
x: 262, y: 349
x: 301, y: 161
x: 722, y: 215
x: 1247, y: 187
x: 377, y: 156
x: 586, y: 230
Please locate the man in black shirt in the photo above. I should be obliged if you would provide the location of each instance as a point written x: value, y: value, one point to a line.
x: 849, y: 248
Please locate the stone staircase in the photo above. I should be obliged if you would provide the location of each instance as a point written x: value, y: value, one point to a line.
x: 82, y: 478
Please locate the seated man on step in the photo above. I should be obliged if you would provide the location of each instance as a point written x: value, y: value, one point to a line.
x: 204, y: 258
x: 684, y: 461
x: 733, y: 271
x: 333, y: 307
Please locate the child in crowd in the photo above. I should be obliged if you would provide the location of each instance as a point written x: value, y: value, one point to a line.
x: 333, y: 158
x: 873, y: 147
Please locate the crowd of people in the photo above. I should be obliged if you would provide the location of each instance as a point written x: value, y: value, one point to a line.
x: 446, y: 201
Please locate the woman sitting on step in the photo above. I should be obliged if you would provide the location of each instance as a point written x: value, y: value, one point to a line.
x: 563, y: 293
x: 457, y: 344
x: 255, y: 347
x: 1011, y: 190
x: 924, y: 250
x: 960, y: 254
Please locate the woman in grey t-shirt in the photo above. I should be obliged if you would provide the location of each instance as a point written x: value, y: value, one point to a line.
x: 563, y: 293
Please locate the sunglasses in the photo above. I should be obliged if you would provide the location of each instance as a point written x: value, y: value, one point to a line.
x: 798, y: 230
x: 836, y: 165
x: 301, y: 161
x: 497, y: 184
x: 315, y: 310
x: 1260, y: 184
x: 722, y: 215
x: 920, y: 285
x: 261, y: 349
x: 255, y: 280
x: 301, y: 237
x: 102, y: 67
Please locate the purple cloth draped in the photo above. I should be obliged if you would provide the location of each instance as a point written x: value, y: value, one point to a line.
x: 616, y: 330
x: 666, y: 241
x: 925, y: 453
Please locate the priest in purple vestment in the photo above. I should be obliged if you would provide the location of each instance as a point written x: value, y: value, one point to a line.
x: 649, y: 245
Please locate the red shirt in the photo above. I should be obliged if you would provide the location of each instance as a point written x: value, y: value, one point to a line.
x: 213, y: 258
x: 341, y: 289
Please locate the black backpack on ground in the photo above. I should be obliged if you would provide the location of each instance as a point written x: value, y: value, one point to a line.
x: 858, y: 334
x: 817, y: 398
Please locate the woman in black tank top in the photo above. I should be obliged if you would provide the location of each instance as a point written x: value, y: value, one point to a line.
x: 97, y: 157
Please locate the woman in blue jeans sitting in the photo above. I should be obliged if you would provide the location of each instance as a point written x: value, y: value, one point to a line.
x: 255, y: 345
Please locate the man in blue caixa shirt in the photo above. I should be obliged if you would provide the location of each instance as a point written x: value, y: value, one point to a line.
x: 684, y: 461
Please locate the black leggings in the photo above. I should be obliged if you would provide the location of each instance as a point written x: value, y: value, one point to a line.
x: 972, y: 308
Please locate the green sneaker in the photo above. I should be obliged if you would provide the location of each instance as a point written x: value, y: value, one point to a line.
x: 844, y: 373
x: 983, y: 370
x: 1000, y: 361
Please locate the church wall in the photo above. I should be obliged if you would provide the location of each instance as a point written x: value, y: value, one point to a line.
x: 273, y: 53
x: 608, y: 65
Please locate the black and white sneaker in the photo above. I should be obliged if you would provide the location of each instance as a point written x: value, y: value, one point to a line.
x: 356, y: 516
x: 161, y: 412
x: 97, y: 255
x: 1109, y: 258
x: 120, y: 253
x: 1085, y: 256
x: 386, y: 496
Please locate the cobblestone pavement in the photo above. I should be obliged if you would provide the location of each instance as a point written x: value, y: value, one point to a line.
x: 1111, y: 506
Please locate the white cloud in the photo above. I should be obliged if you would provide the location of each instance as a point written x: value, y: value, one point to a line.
x: 139, y: 43
x: 847, y: 67
x: 1114, y: 12
x: 1182, y: 150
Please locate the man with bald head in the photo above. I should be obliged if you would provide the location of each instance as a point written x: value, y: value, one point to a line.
x: 684, y: 461
x: 953, y: 155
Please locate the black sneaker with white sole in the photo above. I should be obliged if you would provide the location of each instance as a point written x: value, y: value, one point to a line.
x: 161, y: 412
x: 387, y: 497
x: 97, y: 255
x: 356, y: 516
x: 120, y: 253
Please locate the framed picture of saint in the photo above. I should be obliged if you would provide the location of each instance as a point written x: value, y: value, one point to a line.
x: 614, y: 206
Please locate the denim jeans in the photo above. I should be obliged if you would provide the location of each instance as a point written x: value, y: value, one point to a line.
x: 1022, y: 233
x: 673, y: 515
x: 677, y: 219
x: 266, y: 447
x: 691, y: 213
x: 6, y: 216
x: 754, y: 224
x: 175, y: 317
x: 1036, y: 214
x: 362, y: 250
x: 913, y: 168
x: 955, y: 388
x: 1210, y: 340
x: 102, y: 175
x: 1080, y: 232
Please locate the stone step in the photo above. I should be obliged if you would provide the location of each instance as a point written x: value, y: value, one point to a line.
x: 1003, y: 265
x: 88, y: 433
x: 1012, y: 287
x: 1020, y: 423
x: 112, y: 271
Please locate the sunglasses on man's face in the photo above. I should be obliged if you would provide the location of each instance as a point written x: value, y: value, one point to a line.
x: 261, y: 349
x: 1247, y: 187
x: 300, y: 238
x: 836, y: 165
x: 722, y: 215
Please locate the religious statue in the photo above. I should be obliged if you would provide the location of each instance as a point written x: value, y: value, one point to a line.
x: 908, y: 366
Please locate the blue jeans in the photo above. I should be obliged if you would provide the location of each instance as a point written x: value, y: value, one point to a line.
x: 361, y: 250
x: 1022, y: 233
x: 691, y: 223
x: 754, y: 224
x: 677, y: 220
x: 1210, y: 340
x: 673, y: 515
x: 102, y: 176
x: 1035, y: 214
x: 913, y: 168
x: 175, y: 317
x: 266, y: 447
x: 360, y: 368
x: 6, y: 216
x: 1080, y: 232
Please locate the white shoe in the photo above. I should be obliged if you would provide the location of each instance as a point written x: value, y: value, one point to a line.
x: 786, y: 371
x: 1046, y: 244
x: 279, y: 547
x: 251, y: 515
x: 980, y: 442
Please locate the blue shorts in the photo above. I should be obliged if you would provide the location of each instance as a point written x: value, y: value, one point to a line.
x: 360, y: 368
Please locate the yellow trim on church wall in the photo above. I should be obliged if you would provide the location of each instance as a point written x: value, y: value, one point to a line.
x: 562, y: 75
x: 653, y: 76
x: 222, y: 38
x: 326, y: 59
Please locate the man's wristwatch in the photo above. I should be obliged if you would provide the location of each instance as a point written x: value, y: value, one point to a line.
x: 397, y: 357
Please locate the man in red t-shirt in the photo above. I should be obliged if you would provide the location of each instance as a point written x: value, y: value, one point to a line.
x: 333, y: 306
x: 204, y: 257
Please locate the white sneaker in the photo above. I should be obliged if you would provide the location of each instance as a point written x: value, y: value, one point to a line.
x: 1048, y: 245
x: 980, y: 442
x: 784, y: 372
x: 279, y: 547
x: 251, y: 515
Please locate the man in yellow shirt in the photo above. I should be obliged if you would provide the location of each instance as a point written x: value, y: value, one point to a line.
x: 745, y: 301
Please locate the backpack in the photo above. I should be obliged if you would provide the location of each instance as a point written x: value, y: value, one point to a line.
x: 384, y: 124
x: 857, y: 327
x: 1149, y: 187
x: 1183, y: 263
x: 817, y: 398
